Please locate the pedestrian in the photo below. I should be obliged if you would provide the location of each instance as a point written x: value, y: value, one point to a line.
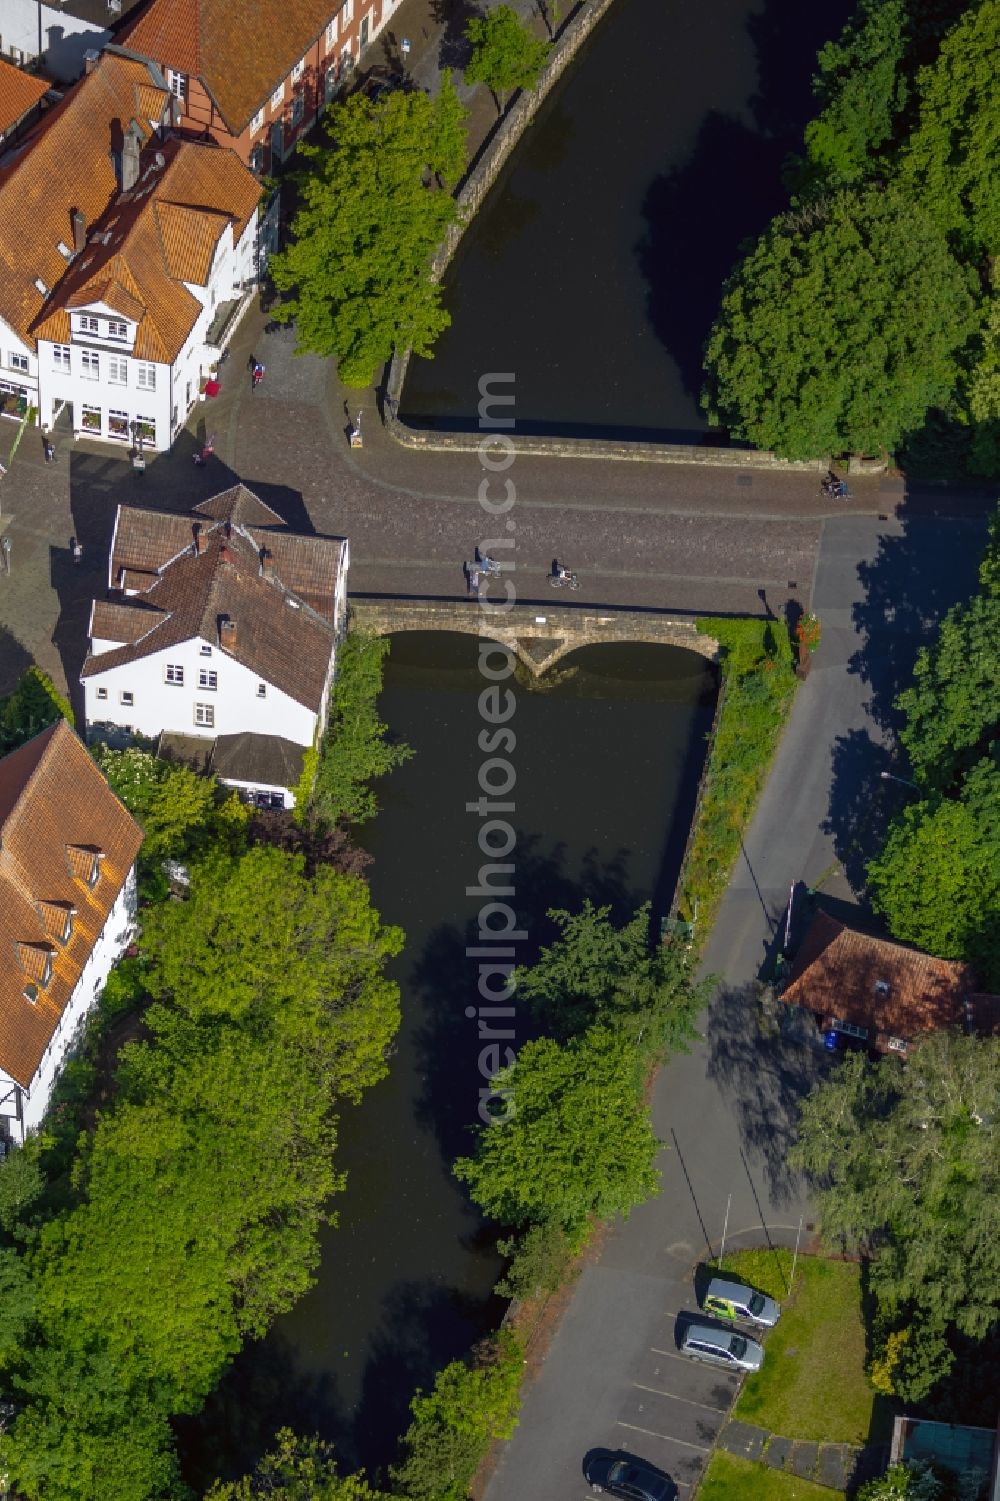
x: 50, y: 450
x: 77, y: 550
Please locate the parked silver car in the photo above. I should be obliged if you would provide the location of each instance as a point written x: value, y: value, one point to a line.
x: 722, y: 1347
x: 734, y: 1300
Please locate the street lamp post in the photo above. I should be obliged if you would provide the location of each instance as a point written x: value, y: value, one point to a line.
x: 887, y: 776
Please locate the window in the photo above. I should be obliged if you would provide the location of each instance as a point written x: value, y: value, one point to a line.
x: 146, y: 377
x: 330, y: 82
x: 118, y: 424
x: 91, y: 364
x: 174, y: 674
x: 897, y: 1044
x: 257, y: 159
x: 346, y: 60
x: 127, y: 697
x: 206, y: 651
x: 207, y: 678
x: 278, y: 97
x: 298, y: 109
x: 204, y: 714
x: 849, y: 1029
x: 67, y: 932
x: 298, y: 70
x: 257, y: 121
x: 331, y: 33
x: 46, y: 972
x: 262, y: 690
x: 117, y: 330
x: 19, y: 362
x: 60, y: 357
x: 87, y: 325
x: 90, y: 419
x: 117, y: 370
x: 177, y: 84
x: 94, y: 874
x: 64, y: 250
x: 347, y: 13
x: 31, y: 992
x: 102, y: 694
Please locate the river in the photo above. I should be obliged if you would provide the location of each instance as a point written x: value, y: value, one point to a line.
x: 607, y: 761
x: 594, y: 268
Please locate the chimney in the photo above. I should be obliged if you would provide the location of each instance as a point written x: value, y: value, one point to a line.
x: 266, y: 563
x: 199, y: 539
x: 78, y: 219
x: 227, y: 634
x: 90, y: 60
x: 131, y: 144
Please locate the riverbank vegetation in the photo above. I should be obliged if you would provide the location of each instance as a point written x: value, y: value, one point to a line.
x: 34, y: 704
x: 506, y: 54
x: 374, y: 207
x: 758, y: 685
x: 867, y: 316
x: 937, y: 880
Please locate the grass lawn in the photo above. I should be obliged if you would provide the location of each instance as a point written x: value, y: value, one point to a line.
x: 812, y: 1384
x: 728, y: 1477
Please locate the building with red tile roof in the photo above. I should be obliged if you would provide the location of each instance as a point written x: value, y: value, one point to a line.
x: 882, y: 992
x: 21, y: 95
x: 67, y: 910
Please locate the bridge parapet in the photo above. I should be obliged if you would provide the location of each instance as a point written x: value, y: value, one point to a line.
x: 538, y: 634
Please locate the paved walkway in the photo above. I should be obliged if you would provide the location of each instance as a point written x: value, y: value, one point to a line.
x: 840, y: 1467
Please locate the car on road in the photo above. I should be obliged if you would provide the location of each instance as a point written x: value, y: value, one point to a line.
x: 722, y: 1347
x: 734, y: 1300
x: 629, y: 1478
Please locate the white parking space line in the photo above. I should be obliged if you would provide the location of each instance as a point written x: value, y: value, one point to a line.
x: 704, y: 1364
x: 688, y: 1401
x: 667, y: 1437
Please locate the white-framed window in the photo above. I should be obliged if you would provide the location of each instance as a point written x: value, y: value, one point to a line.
x: 257, y: 159
x: 117, y: 370
x: 86, y: 324
x: 19, y: 362
x: 346, y: 60
x: 102, y: 694
x: 347, y: 13
x: 90, y: 419
x: 144, y: 428
x: 60, y: 357
x: 90, y: 364
x: 298, y: 70
x: 257, y: 122
x: 278, y: 97
x: 207, y: 678
x: 117, y: 329
x: 145, y: 376
x: 127, y: 698
x: 897, y: 1044
x: 118, y: 424
x: 298, y: 109
x: 206, y: 651
x: 177, y: 84
x: 173, y: 672
x: 204, y: 714
x: 330, y: 82
x: 262, y: 690
x: 331, y: 33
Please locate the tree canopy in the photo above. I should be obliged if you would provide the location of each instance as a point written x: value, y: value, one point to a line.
x: 907, y: 1169
x: 506, y: 55
x: 297, y: 1470
x: 355, y: 748
x: 356, y: 275
x: 840, y: 330
x: 34, y: 704
x: 577, y: 1142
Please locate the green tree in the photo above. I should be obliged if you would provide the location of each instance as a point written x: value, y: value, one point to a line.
x: 952, y: 708
x: 949, y: 165
x: 937, y: 880
x: 505, y: 53
x: 355, y: 749
x: 840, y: 330
x: 298, y: 1470
x: 983, y: 396
x: 357, y: 274
x: 912, y: 1481
x: 538, y: 1261
x: 577, y: 1141
x: 471, y: 1405
x: 180, y: 811
x: 907, y: 1169
x: 34, y: 704
x: 596, y: 972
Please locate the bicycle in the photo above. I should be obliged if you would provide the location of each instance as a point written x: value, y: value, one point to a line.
x: 564, y: 578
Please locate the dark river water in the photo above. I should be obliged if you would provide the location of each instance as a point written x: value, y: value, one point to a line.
x: 607, y: 762
x: 594, y: 268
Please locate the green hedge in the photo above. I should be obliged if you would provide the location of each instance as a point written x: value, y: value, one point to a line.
x: 758, y: 685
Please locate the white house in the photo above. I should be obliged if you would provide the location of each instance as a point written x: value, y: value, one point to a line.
x: 218, y: 639
x: 121, y: 249
x: 67, y: 911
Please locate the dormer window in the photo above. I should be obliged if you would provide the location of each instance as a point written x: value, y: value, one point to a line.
x: 67, y: 930
x: 31, y: 993
x: 94, y: 874
x: 46, y: 974
x: 117, y: 329
x: 87, y: 324
x: 177, y: 84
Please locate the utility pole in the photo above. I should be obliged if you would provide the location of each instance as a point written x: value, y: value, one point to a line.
x: 795, y: 1255
x: 722, y: 1248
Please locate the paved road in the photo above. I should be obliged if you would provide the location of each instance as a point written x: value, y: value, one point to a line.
x: 726, y: 1112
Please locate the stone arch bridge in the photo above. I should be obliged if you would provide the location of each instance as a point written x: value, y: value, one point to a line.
x: 539, y: 635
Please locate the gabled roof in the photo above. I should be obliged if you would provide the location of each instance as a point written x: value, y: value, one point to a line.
x: 240, y: 49
x: 266, y: 759
x: 57, y: 816
x: 154, y: 239
x: 19, y: 93
x: 67, y: 163
x: 892, y: 990
x: 219, y: 563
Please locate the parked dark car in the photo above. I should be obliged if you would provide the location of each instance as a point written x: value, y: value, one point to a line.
x: 629, y: 1478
